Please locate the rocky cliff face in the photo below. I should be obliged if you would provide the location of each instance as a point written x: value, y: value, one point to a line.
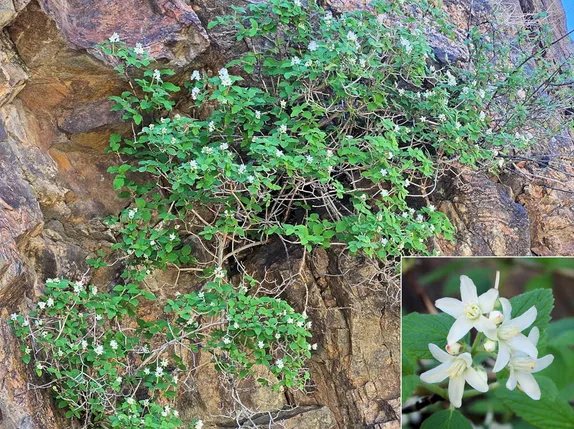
x: 54, y: 193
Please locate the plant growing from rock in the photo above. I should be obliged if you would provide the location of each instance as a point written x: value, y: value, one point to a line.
x: 331, y: 131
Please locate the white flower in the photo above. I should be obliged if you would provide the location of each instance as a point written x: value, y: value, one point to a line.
x: 115, y: 38
x: 195, y: 93
x: 99, y: 350
x: 279, y: 363
x: 41, y: 304
x: 295, y: 61
x: 236, y: 325
x: 164, y: 362
x: 509, y: 335
x: 14, y: 316
x: 407, y: 183
x: 432, y: 208
x: 385, y: 193
x: 482, y: 93
x: 451, y: 79
x: 314, y: 346
x: 146, y: 371
x: 482, y: 116
x: 130, y: 401
x: 312, y: 45
x: 242, y: 169
x: 158, y: 371
x: 390, y: 155
x: 224, y: 77
x: 351, y: 37
x: 157, y: 75
x: 423, y: 119
x: 406, y: 44
x: 458, y: 369
x: 84, y: 344
x: 383, y: 172
x: 200, y: 294
x: 420, y: 217
x: 171, y: 236
x: 223, y: 146
x: 226, y: 340
x: 521, y: 93
x: 521, y: 368
x: 114, y: 345
x: 193, y: 164
x: 98, y: 317
x: 297, y: 3
x: 469, y: 313
x: 211, y: 126
x: 442, y: 117
x: 309, y: 158
x: 290, y: 320
x: 457, y: 125
x: 260, y: 344
x: 199, y: 424
x: 300, y: 323
x: 257, y: 114
x: 139, y: 50
x: 195, y: 75
x: 384, y: 241
x: 283, y: 128
x: 50, y: 302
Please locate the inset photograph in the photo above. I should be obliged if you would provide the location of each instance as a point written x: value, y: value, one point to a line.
x: 487, y: 343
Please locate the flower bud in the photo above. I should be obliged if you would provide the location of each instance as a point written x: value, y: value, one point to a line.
x: 454, y: 349
x: 496, y: 317
x: 490, y: 345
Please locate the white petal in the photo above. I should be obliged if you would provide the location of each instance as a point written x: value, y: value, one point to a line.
x: 486, y: 300
x: 482, y: 324
x: 440, y: 354
x: 467, y: 357
x: 468, y: 291
x: 436, y: 375
x: 456, y: 390
x: 503, y: 356
x: 458, y: 329
x: 511, y: 383
x: 506, y: 308
x: 534, y: 335
x: 542, y: 363
x: 523, y: 344
x: 451, y: 306
x: 475, y: 380
x: 525, y: 320
x: 528, y: 384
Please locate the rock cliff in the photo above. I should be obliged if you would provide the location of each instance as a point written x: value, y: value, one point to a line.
x: 54, y: 192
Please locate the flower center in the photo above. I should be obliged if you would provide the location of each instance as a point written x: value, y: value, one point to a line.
x: 472, y: 311
x: 457, y: 368
x: 506, y: 332
x: 523, y: 364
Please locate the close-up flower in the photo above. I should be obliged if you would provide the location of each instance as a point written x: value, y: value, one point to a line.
x: 458, y: 369
x: 470, y: 311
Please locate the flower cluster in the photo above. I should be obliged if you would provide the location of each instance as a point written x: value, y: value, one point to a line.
x: 502, y: 332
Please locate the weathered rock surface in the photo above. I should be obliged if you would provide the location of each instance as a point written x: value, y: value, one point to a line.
x: 54, y: 193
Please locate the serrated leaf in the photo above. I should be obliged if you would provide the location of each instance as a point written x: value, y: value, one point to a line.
x: 419, y: 330
x: 408, y: 386
x: 541, y: 298
x: 547, y: 413
x: 447, y: 419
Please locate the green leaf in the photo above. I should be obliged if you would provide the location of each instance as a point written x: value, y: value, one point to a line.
x: 447, y: 419
x: 419, y: 330
x: 550, y: 412
x: 138, y: 118
x: 409, y: 384
x: 541, y: 298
